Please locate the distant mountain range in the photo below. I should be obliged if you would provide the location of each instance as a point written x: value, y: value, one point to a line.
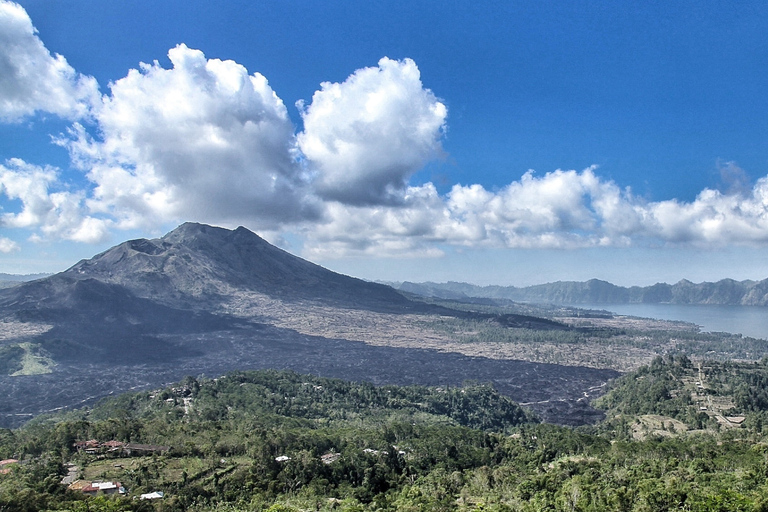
x: 595, y: 291
x: 8, y: 280
x: 21, y: 277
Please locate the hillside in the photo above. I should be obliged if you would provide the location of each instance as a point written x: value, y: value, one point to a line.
x: 595, y: 291
x: 674, y: 395
x: 282, y: 442
x: 200, y: 266
x: 10, y: 280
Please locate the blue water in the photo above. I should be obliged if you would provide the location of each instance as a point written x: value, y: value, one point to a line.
x: 747, y: 320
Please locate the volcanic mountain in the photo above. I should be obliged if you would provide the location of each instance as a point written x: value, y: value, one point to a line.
x: 189, y: 281
x: 204, y: 300
x: 198, y: 265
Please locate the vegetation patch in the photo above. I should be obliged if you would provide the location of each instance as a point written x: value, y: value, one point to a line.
x: 11, y: 359
x: 34, y: 361
x: 24, y: 359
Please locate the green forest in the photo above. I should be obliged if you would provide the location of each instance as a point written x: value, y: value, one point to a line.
x: 279, y: 441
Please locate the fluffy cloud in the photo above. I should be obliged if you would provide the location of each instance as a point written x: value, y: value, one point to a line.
x: 713, y: 218
x: 31, y: 79
x: 407, y: 229
x: 561, y: 209
x: 7, y: 245
x: 207, y: 141
x: 366, y: 136
x: 201, y: 141
x: 57, y: 213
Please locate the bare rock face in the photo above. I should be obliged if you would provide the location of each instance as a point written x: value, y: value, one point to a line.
x: 196, y: 264
x: 133, y: 298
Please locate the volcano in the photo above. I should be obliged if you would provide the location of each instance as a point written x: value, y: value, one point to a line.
x: 205, y: 300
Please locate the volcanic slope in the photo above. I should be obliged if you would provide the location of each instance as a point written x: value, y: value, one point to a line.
x: 197, y: 265
x: 207, y: 300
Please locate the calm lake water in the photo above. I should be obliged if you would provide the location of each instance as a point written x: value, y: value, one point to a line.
x: 747, y: 320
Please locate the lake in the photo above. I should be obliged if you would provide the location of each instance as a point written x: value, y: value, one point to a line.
x: 747, y: 320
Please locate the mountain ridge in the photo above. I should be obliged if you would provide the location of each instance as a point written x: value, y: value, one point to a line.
x: 595, y: 291
x: 198, y: 262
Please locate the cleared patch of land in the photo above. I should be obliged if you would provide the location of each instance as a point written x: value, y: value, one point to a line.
x: 34, y: 362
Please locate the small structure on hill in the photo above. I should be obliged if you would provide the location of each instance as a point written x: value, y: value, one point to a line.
x: 95, y: 447
x: 143, y: 449
x: 93, y: 487
x: 329, y: 458
x: 156, y: 495
x: 5, y: 465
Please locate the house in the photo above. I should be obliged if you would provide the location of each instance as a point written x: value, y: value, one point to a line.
x: 156, y: 495
x: 329, y: 458
x: 94, y: 488
x: 113, y: 446
x: 78, y: 485
x: 91, y: 446
x: 4, y: 469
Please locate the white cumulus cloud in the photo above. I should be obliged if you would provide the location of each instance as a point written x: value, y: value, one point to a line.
x: 31, y: 79
x: 366, y: 136
x: 562, y: 209
x: 407, y: 229
x: 201, y: 141
x: 7, y: 245
x: 712, y: 218
x: 57, y: 213
x: 559, y: 210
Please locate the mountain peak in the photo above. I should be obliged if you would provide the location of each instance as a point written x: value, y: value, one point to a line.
x: 190, y: 232
x: 193, y: 229
x: 201, y: 262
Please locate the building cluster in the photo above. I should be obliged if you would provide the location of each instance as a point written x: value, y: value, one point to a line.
x: 94, y: 487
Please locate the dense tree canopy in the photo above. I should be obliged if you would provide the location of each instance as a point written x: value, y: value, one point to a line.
x: 279, y: 441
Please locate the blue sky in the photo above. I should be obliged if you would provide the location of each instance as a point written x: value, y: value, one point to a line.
x: 492, y: 142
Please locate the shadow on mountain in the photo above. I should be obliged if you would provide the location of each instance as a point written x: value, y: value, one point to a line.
x: 101, y: 322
